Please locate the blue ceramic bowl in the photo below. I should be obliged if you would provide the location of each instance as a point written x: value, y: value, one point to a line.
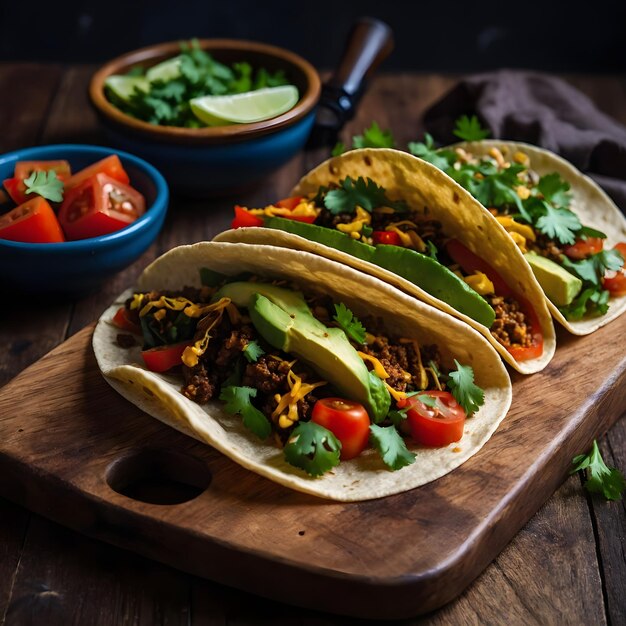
x: 219, y: 160
x: 77, y: 267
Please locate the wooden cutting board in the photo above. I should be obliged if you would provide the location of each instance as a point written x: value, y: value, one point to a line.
x: 70, y: 448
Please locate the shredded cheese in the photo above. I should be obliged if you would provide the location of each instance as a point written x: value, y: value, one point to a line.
x: 214, y: 313
x: 378, y: 367
x: 480, y: 283
x: 287, y: 409
x: 396, y: 395
x: 304, y: 208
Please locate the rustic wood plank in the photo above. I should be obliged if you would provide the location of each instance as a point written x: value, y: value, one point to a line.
x: 13, y: 526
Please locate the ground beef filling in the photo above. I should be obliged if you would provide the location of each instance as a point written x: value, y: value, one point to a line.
x: 545, y: 246
x: 510, y: 327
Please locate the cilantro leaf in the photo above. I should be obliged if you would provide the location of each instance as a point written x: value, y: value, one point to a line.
x: 46, y: 184
x: 608, y: 481
x: 339, y: 148
x: 558, y: 223
x: 352, y: 193
x: 592, y: 269
x: 469, y: 129
x: 374, y: 137
x: 237, y: 401
x: 427, y: 400
x: 461, y: 383
x: 253, y: 351
x: 313, y: 448
x: 390, y: 446
x: 349, y: 323
x: 554, y: 189
x: 587, y: 231
x: 427, y: 151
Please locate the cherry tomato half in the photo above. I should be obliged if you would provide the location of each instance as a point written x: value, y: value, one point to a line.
x: 31, y: 222
x: 289, y: 203
x: 243, y: 218
x: 615, y: 284
x: 435, y: 426
x: 386, y: 237
x: 123, y: 320
x: 347, y: 420
x: 111, y: 166
x: 98, y: 206
x: 163, y: 358
x: 23, y: 169
x: 582, y: 248
x: 621, y: 248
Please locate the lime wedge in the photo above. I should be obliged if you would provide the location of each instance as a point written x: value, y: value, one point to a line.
x: 168, y: 70
x: 124, y: 86
x: 242, y: 108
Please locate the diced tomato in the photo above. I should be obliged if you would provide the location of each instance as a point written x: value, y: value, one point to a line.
x: 163, y: 358
x: 615, y: 283
x: 16, y: 189
x: 98, y: 206
x: 122, y: 320
x: 243, y: 218
x: 111, y: 166
x: 23, y: 169
x: 347, y: 420
x: 471, y: 262
x: 582, y: 248
x: 386, y: 237
x: 438, y: 425
x: 31, y: 222
x: 289, y: 203
x: 621, y: 248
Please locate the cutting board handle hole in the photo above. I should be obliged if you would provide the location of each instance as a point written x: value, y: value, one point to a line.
x: 158, y: 476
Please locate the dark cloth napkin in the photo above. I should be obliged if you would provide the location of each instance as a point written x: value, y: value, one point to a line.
x: 540, y: 110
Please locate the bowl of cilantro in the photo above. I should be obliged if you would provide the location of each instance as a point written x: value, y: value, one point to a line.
x: 214, y: 116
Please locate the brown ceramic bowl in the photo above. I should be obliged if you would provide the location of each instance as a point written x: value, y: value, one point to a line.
x: 213, y: 160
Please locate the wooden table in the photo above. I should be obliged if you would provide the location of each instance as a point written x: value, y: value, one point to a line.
x: 567, y: 566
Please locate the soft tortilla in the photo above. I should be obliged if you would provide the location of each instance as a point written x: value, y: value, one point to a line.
x: 589, y: 202
x: 422, y: 185
x: 363, y: 478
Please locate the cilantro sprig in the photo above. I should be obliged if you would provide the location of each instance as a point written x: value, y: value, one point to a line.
x: 313, y: 448
x: 253, y: 351
x: 373, y: 137
x: 469, y: 129
x: 349, y: 323
x: 600, y: 478
x: 237, y: 400
x: 46, y: 184
x: 391, y: 447
x: 360, y: 192
x: 461, y: 383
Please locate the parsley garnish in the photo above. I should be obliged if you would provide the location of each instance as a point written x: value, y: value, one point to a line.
x: 237, y: 401
x: 349, y: 323
x: 313, y: 448
x: 360, y: 192
x: 46, y: 184
x: 390, y: 446
x: 374, y: 137
x: 469, y: 129
x: 599, y: 478
x: 253, y: 351
x: 461, y: 383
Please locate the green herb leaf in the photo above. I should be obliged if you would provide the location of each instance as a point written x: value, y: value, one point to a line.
x: 374, y: 137
x: 253, y: 351
x: 599, y: 478
x: 339, y: 148
x: 349, y: 323
x: 431, y: 250
x: 390, y: 446
x: 46, y: 184
x: 427, y: 151
x: 555, y: 190
x: 586, y: 232
x: 461, y: 383
x: 593, y: 268
x: 469, y: 129
x: 237, y: 401
x: 352, y: 193
x: 427, y: 400
x: 558, y: 223
x: 313, y: 448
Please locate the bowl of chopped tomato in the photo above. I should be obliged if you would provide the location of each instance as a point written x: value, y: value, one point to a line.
x: 146, y: 100
x: 71, y: 216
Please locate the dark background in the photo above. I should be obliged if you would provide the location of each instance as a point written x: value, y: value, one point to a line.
x: 437, y: 35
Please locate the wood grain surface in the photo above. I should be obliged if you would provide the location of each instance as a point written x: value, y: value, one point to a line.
x: 566, y: 566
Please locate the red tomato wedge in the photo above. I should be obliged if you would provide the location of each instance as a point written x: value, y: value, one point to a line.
x: 471, y: 262
x: 243, y: 218
x: 438, y: 425
x: 347, y: 420
x: 582, y: 248
x: 23, y: 169
x: 386, y: 237
x: 163, y: 358
x: 122, y: 320
x: 16, y: 189
x: 621, y: 248
x: 31, y: 222
x: 615, y: 282
x: 111, y: 166
x: 98, y: 206
x: 289, y: 203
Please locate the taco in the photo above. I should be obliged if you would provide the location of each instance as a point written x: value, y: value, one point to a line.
x: 272, y: 356
x: 569, y: 230
x: 404, y: 221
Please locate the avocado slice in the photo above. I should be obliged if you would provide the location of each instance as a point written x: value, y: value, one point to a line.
x: 284, y: 320
x: 421, y: 270
x: 559, y: 285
